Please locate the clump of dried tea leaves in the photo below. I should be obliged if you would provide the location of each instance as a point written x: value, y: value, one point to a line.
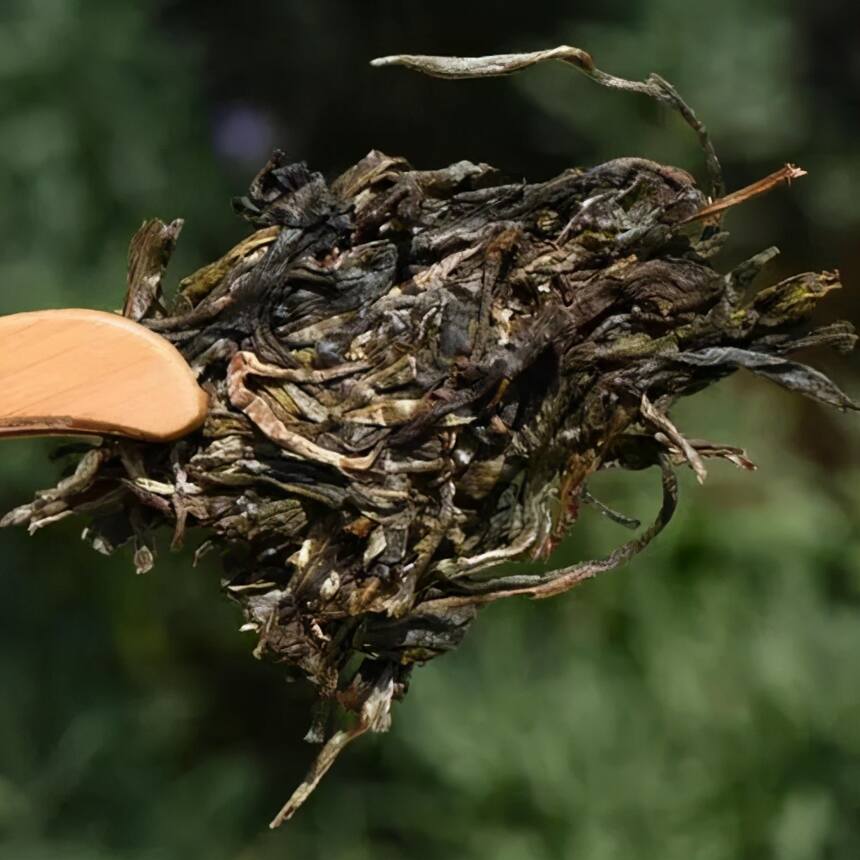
x: 414, y: 373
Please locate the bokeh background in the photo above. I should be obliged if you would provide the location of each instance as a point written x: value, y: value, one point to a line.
x: 701, y: 704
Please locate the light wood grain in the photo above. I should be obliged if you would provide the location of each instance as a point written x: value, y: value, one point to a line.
x: 82, y: 371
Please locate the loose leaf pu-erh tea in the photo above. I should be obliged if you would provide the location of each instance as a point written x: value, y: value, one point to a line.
x: 413, y: 375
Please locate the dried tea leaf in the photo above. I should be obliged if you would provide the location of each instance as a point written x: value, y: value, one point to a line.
x: 455, y: 68
x: 413, y: 376
x: 789, y: 374
x: 148, y: 253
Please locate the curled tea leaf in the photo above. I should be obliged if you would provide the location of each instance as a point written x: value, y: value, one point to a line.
x: 455, y: 68
x: 655, y: 87
x: 413, y: 376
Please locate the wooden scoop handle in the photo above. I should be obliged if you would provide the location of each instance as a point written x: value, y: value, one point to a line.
x: 82, y: 371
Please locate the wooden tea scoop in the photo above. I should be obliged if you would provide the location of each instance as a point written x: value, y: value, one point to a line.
x: 82, y: 371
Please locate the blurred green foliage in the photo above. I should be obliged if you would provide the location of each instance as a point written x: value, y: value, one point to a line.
x: 701, y: 704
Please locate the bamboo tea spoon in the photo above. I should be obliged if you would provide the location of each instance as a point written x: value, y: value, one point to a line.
x: 67, y: 372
